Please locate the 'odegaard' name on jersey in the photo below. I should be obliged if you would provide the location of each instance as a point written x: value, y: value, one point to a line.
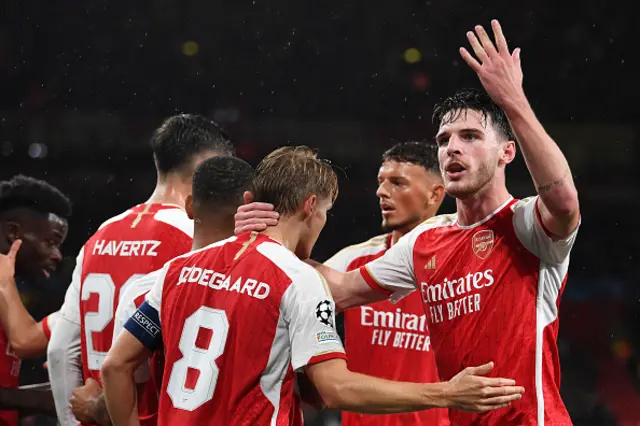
x: 126, y: 248
x: 218, y: 281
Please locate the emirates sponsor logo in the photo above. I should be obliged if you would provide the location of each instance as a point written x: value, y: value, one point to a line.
x: 397, y: 329
x: 457, y: 297
x: 449, y: 289
x: 482, y: 243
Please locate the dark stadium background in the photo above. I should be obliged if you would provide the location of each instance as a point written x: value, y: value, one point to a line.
x: 84, y: 83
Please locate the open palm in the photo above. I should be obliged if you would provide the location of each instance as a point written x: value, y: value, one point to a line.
x: 499, y: 71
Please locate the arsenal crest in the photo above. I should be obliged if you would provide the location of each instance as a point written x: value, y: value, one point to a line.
x: 482, y: 243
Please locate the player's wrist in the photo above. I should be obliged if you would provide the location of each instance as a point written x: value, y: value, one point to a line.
x: 437, y: 395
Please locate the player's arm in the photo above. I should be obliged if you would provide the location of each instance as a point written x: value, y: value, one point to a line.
x: 140, y: 337
x: 467, y: 391
x: 64, y: 352
x: 501, y: 75
x: 389, y: 276
x: 317, y: 350
x: 26, y: 336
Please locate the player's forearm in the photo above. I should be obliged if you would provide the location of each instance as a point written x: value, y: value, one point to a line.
x: 25, y: 335
x: 64, y: 368
x: 100, y: 412
x: 27, y: 401
x: 547, y: 164
x: 120, y: 394
x: 370, y: 395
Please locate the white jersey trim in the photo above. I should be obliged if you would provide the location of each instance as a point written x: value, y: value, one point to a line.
x: 177, y: 218
x: 115, y: 219
x: 342, y: 259
x: 486, y: 219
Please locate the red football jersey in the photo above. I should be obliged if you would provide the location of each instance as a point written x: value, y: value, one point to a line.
x: 10, y: 367
x: 387, y: 340
x: 124, y: 248
x: 238, y: 317
x: 491, y: 292
x: 9, y: 376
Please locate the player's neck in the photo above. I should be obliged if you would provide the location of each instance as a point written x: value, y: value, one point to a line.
x: 475, y: 208
x: 170, y: 190
x: 396, y: 234
x: 286, y: 232
x: 211, y: 232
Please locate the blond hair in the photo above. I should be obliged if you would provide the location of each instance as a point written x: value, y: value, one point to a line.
x: 288, y: 175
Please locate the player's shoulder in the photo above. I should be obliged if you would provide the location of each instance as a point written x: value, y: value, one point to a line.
x: 169, y: 215
x: 523, y: 203
x: 207, y: 250
x: 175, y: 217
x: 371, y: 246
x: 115, y: 219
x: 441, y: 221
x: 286, y: 261
x: 347, y: 255
x: 142, y: 285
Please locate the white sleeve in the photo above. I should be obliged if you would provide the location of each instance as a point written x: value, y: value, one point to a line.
x: 309, y: 310
x: 64, y: 367
x: 127, y: 306
x: 70, y: 309
x: 393, y: 272
x: 154, y: 296
x: 339, y: 261
x: 532, y: 234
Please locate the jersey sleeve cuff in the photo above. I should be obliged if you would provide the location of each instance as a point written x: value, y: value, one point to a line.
x: 548, y: 233
x: 371, y: 281
x: 326, y: 357
x: 46, y: 329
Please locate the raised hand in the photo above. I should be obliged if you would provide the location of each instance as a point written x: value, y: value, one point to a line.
x: 499, y: 70
x: 469, y: 391
x: 254, y: 216
x: 8, y: 263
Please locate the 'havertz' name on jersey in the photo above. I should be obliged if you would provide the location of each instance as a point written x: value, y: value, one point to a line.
x: 219, y: 281
x: 125, y: 248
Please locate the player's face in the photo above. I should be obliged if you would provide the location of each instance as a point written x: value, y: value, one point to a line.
x: 469, y: 153
x: 317, y: 217
x: 406, y: 194
x: 40, y: 253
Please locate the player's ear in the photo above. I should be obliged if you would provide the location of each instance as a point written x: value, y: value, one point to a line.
x: 248, y: 197
x: 12, y: 231
x: 310, y: 205
x: 188, y: 206
x: 437, y: 194
x: 508, y: 152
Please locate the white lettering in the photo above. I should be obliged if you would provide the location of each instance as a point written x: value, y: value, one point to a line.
x: 125, y: 248
x: 451, y: 288
x: 218, y: 281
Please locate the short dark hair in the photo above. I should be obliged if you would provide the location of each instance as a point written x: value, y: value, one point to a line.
x: 38, y: 195
x: 288, y: 175
x: 476, y: 100
x: 221, y: 181
x: 423, y: 154
x: 183, y: 136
